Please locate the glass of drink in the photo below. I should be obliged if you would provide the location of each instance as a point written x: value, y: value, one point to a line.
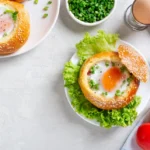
x: 137, y: 15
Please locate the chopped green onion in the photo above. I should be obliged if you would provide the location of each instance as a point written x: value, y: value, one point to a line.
x: 97, y: 67
x: 45, y: 15
x: 93, y: 85
x: 123, y: 69
x: 90, y: 10
x: 45, y: 8
x: 8, y: 11
x: 129, y: 80
x: 5, y: 34
x: 118, y: 93
x: 106, y: 63
x: 49, y: 2
x: 92, y: 70
x: 12, y: 13
x: 104, y: 93
x: 36, y: 1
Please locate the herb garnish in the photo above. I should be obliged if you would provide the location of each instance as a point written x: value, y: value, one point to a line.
x: 45, y: 8
x: 129, y: 80
x: 118, y: 93
x: 36, y: 1
x: 123, y: 69
x: 91, y: 10
x: 45, y: 15
x: 92, y: 70
x: 104, y: 93
x: 49, y: 2
x: 12, y: 13
x: 93, y: 85
x: 5, y: 34
x: 106, y: 63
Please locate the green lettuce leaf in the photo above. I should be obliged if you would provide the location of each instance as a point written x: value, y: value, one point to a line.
x: 106, y: 118
x: 91, y: 45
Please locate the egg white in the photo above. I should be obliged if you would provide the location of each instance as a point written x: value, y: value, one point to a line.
x: 97, y: 76
x: 7, y: 16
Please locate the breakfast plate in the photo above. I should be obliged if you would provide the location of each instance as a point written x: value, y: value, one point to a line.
x: 143, y: 89
x: 40, y: 27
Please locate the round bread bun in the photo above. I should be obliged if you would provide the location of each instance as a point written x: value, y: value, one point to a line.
x: 19, y: 35
x: 134, y: 62
x: 99, y: 100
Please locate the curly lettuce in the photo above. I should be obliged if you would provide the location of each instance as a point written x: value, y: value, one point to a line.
x: 107, y: 118
x: 91, y: 45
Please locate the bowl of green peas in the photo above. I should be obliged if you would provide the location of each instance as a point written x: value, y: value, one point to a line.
x: 90, y: 12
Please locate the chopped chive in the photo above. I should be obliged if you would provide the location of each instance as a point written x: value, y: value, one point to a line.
x: 106, y: 63
x: 45, y: 15
x: 92, y: 70
x: 8, y: 11
x: 97, y: 67
x: 118, y: 93
x: 49, y: 2
x: 129, y: 80
x: 5, y: 34
x: 104, y: 93
x: 124, y: 81
x: 93, y: 85
x: 91, y: 10
x: 36, y: 1
x: 45, y: 8
x: 12, y: 13
x: 123, y: 69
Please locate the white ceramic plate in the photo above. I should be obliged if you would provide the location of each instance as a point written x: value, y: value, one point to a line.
x: 143, y: 90
x: 40, y: 27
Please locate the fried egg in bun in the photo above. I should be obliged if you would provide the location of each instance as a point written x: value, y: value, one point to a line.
x: 110, y: 80
x: 14, y: 26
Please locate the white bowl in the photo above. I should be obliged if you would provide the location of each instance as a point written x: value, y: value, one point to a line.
x: 86, y: 23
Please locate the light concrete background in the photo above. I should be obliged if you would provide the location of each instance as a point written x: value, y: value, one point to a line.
x: 34, y: 112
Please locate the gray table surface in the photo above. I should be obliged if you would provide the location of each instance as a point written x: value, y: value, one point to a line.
x: 34, y: 113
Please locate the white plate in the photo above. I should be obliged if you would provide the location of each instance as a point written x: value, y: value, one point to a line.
x: 143, y: 90
x: 40, y: 27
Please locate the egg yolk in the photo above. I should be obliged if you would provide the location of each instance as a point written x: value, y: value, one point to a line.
x: 111, y: 78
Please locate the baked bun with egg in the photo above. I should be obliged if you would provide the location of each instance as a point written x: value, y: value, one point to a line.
x: 13, y: 14
x: 109, y: 81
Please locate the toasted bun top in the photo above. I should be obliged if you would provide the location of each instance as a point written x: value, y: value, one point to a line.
x: 134, y: 62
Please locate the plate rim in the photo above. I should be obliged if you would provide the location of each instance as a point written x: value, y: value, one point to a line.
x: 40, y: 41
x: 90, y: 120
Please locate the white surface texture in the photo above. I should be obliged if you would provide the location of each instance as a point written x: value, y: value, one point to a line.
x: 34, y: 112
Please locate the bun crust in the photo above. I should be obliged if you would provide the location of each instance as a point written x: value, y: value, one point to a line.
x: 134, y: 62
x: 101, y: 101
x: 18, y: 37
